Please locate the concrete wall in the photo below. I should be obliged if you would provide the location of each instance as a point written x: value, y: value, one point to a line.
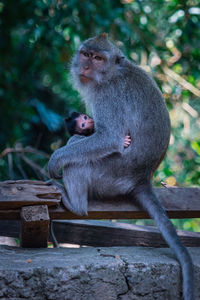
x: 119, y: 273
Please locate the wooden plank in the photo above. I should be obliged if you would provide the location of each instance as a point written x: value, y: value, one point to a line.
x: 15, y: 194
x: 105, y: 233
x: 178, y: 202
x: 34, y: 226
x: 109, y: 234
x: 10, y: 228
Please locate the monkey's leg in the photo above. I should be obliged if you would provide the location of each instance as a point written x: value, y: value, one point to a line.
x: 76, y: 181
x: 147, y: 199
x: 64, y: 195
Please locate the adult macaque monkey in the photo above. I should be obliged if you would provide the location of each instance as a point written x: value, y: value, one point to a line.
x: 119, y: 92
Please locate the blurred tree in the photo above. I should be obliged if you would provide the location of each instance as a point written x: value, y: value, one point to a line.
x: 37, y: 40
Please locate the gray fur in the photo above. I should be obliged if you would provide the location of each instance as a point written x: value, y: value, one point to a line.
x: 123, y: 100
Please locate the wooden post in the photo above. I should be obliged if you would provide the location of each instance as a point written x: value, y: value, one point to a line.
x: 34, y: 226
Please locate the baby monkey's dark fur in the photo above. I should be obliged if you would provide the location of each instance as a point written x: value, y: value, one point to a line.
x: 118, y: 92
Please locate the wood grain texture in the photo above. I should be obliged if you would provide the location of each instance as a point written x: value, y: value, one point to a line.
x: 34, y: 226
x: 15, y: 194
x: 109, y: 234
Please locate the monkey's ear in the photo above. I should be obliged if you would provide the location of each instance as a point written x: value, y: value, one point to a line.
x: 119, y: 60
x: 103, y: 35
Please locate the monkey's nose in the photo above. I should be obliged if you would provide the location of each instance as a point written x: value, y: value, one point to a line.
x: 85, y: 70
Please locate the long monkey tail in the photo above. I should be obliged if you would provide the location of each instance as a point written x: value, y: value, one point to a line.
x: 145, y: 197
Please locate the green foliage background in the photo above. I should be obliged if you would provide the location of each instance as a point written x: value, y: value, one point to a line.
x: 37, y: 40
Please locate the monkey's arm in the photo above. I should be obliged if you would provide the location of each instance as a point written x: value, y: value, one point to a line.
x: 86, y: 149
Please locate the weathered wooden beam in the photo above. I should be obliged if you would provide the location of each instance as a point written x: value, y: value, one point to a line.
x: 178, y: 202
x: 15, y: 194
x: 105, y: 234
x: 109, y: 234
x: 34, y: 226
x: 10, y: 228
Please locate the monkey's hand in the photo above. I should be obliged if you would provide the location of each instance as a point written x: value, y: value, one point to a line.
x: 127, y: 141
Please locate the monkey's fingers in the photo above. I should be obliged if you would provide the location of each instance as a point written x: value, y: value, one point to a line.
x: 127, y: 139
x: 126, y: 145
x: 128, y: 142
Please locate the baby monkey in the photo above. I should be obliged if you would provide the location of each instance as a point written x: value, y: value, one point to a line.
x: 82, y: 124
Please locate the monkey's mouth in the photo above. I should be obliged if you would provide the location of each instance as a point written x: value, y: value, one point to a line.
x: 84, y: 79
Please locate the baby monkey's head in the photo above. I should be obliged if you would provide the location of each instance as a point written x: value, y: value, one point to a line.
x: 79, y: 123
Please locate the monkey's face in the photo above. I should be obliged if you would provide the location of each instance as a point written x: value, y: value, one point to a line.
x: 92, y: 65
x: 97, y: 61
x: 84, y: 124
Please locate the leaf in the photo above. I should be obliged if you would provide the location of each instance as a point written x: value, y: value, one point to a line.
x: 52, y: 120
x: 196, y: 147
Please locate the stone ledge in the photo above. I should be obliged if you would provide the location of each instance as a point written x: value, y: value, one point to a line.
x: 118, y: 273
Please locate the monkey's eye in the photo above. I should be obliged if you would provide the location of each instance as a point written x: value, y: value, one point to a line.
x: 85, y: 117
x: 86, y: 54
x: 98, y: 57
x: 83, y: 125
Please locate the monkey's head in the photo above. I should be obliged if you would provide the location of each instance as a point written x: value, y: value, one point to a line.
x: 96, y: 61
x: 79, y: 123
